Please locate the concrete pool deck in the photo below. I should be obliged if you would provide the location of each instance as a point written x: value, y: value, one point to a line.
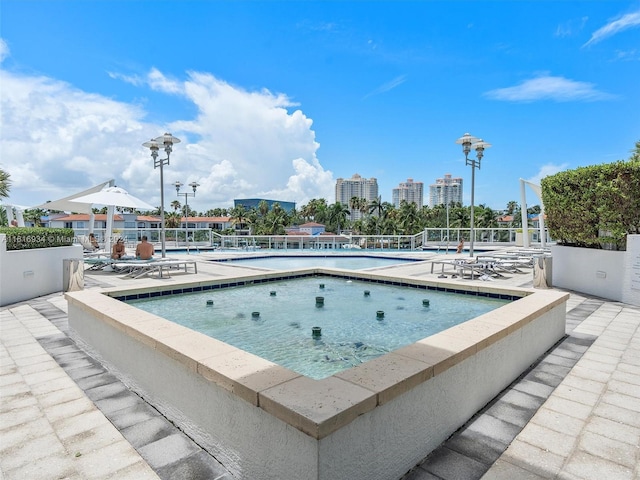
x: 574, y: 415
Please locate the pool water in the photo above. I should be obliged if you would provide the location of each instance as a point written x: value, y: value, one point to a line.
x: 352, y: 328
x: 329, y: 261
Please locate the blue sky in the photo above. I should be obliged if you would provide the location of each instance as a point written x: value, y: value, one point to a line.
x: 279, y: 99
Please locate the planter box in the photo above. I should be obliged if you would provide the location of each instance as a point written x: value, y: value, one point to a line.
x: 25, y: 274
x: 613, y: 275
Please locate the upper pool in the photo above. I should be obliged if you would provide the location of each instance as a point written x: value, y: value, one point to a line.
x: 358, y: 321
x: 291, y: 262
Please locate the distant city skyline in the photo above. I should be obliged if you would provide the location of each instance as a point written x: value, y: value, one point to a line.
x: 279, y: 99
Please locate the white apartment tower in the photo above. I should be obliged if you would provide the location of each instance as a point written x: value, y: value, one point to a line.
x: 410, y: 191
x: 356, y: 186
x: 445, y: 191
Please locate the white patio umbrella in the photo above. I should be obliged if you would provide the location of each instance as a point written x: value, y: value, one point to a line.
x: 112, y: 197
x: 65, y: 205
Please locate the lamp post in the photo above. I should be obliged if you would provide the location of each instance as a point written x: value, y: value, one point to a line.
x: 468, y: 142
x: 166, y: 142
x: 186, y: 195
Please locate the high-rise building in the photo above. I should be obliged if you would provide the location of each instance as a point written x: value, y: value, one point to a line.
x: 409, y: 191
x: 358, y: 187
x: 445, y: 191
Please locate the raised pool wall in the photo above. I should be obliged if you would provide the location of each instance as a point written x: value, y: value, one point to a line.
x: 374, y: 421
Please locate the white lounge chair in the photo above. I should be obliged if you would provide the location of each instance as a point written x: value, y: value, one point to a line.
x: 140, y: 268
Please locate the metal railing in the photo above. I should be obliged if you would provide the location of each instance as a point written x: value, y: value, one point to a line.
x: 430, y: 238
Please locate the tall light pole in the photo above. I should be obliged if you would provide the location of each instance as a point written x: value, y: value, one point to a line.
x: 186, y: 195
x: 468, y: 142
x: 166, y: 142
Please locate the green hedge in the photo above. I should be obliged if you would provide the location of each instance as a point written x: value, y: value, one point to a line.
x: 25, y: 238
x: 595, y: 206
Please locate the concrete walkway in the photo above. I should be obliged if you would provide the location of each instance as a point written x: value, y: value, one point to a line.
x: 574, y: 415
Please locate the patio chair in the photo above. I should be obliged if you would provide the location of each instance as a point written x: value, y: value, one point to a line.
x: 87, y: 247
x: 140, y: 268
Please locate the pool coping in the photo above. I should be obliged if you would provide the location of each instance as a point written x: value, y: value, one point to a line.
x: 318, y: 407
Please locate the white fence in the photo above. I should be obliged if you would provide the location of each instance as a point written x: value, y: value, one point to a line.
x: 430, y: 238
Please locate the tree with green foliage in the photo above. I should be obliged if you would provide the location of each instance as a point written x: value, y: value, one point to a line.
x: 239, y: 216
x: 275, y: 220
x: 512, y: 206
x: 172, y: 220
x: 595, y: 206
x: 5, y: 183
x: 338, y: 216
x: 407, y: 218
x: 34, y: 215
x: 635, y: 153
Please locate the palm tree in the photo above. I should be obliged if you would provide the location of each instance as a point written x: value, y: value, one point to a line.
x: 239, y: 216
x: 316, y: 210
x: 376, y: 207
x: 306, y: 211
x: 294, y: 217
x: 216, y: 212
x: 5, y: 184
x: 511, y: 207
x: 355, y: 203
x: 407, y: 217
x: 338, y: 216
x: 459, y: 217
x: 172, y: 220
x: 275, y: 220
x: 176, y: 205
x: 486, y: 217
x: 263, y: 208
x: 34, y: 215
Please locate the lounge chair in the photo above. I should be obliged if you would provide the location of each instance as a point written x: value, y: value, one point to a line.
x: 471, y: 267
x: 130, y: 266
x: 97, y: 260
x: 140, y: 268
x: 87, y: 246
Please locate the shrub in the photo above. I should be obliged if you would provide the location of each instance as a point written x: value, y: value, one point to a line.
x: 595, y: 206
x: 25, y: 238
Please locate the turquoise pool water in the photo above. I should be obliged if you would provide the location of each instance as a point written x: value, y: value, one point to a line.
x: 352, y: 328
x: 284, y: 262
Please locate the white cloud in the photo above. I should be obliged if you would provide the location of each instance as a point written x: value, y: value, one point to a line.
x: 4, y: 50
x: 547, y: 87
x: 630, y: 20
x: 58, y: 140
x: 627, y: 55
x: 158, y: 81
x: 570, y: 27
x: 135, y: 80
x: 271, y: 151
x: 387, y: 86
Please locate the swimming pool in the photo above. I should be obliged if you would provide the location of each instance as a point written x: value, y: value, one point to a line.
x: 290, y: 262
x: 359, y: 321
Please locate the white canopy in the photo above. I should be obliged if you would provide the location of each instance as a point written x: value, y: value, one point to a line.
x: 110, y: 197
x: 66, y: 205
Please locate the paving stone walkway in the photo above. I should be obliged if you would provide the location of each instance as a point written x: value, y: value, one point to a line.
x: 574, y: 415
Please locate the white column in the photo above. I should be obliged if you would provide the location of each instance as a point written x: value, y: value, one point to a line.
x: 523, y: 215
